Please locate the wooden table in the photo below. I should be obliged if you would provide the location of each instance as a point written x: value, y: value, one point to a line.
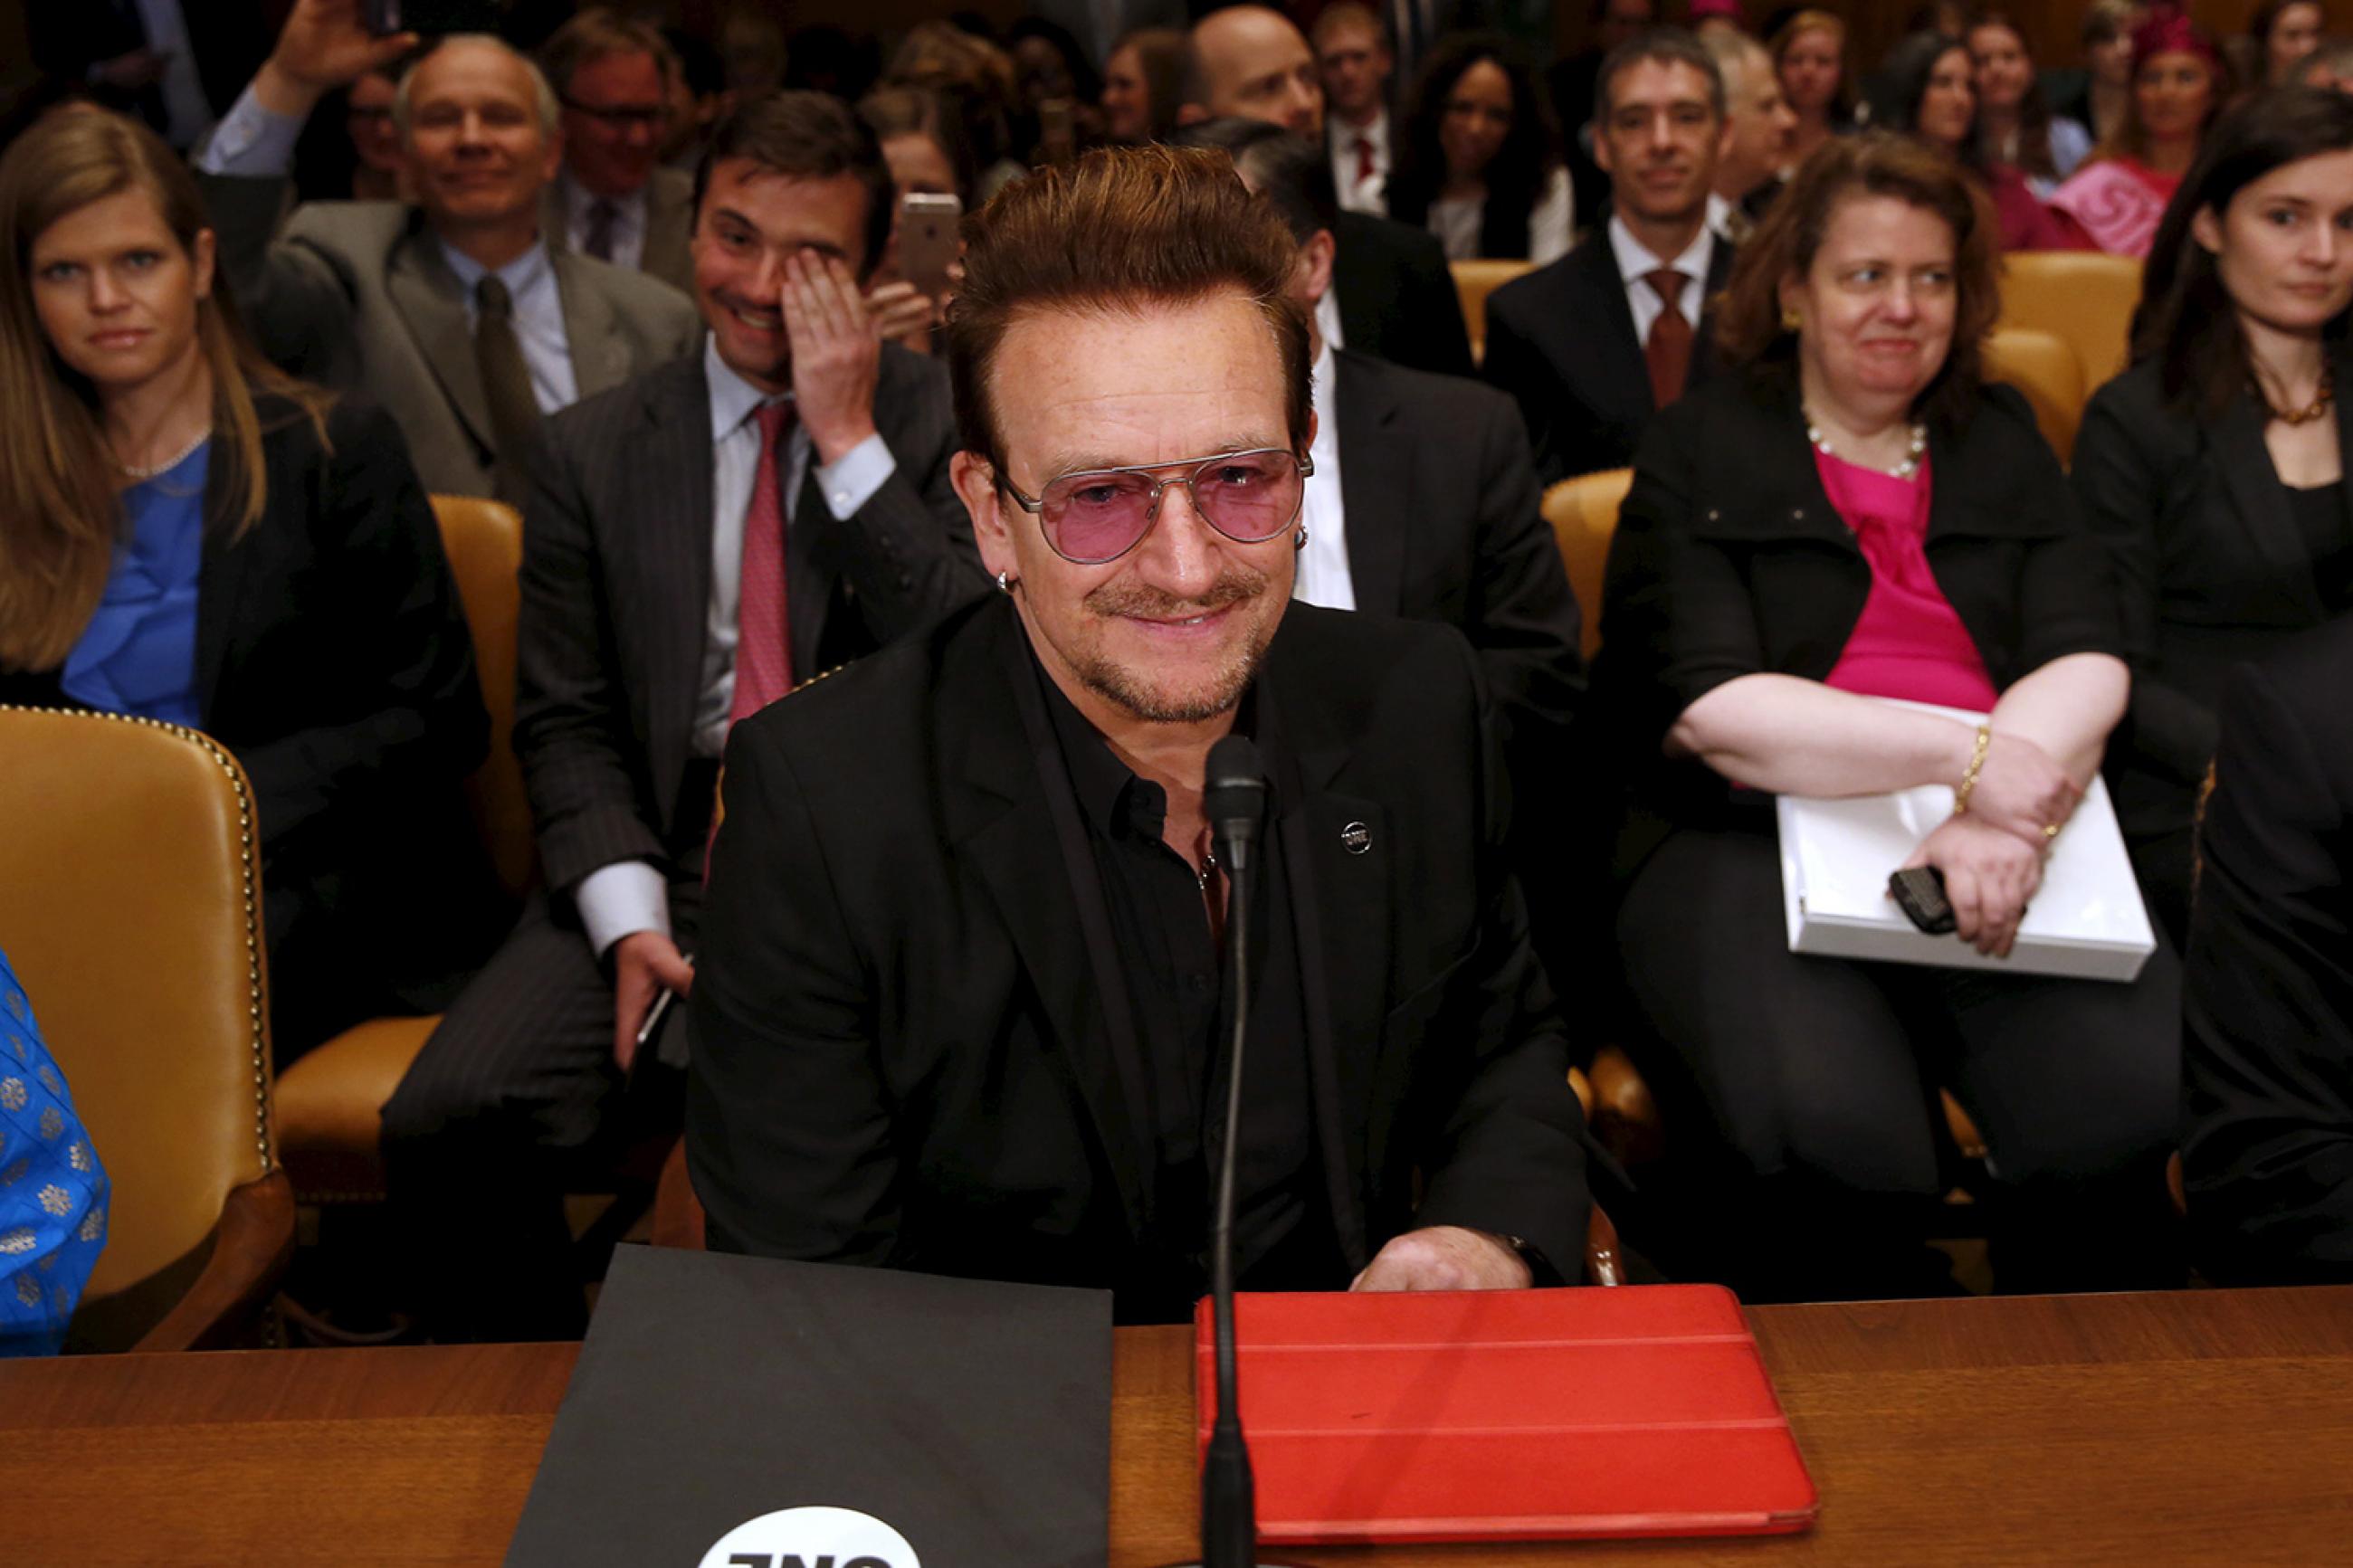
x: 2204, y: 1426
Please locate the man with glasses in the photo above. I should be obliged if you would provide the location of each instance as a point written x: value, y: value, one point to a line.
x: 454, y: 312
x: 959, y: 1004
x: 614, y: 200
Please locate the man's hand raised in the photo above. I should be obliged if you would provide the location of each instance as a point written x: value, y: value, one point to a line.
x: 324, y: 45
x: 837, y: 353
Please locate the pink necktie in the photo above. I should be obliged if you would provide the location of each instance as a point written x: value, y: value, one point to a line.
x: 764, y: 659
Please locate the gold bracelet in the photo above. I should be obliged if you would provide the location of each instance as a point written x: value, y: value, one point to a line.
x: 1977, y: 762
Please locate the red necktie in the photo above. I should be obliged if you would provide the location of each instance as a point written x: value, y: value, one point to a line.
x: 764, y: 659
x: 1669, y: 352
x: 1364, y: 160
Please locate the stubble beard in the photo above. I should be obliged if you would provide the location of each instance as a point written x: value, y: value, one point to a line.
x: 1119, y: 684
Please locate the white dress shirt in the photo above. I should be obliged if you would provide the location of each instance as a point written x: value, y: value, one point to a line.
x: 1370, y: 194
x: 1635, y: 262
x: 631, y: 896
x: 1323, y: 577
x: 628, y: 222
x: 1328, y: 321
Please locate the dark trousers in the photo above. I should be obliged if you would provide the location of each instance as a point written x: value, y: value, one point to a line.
x: 1799, y: 1092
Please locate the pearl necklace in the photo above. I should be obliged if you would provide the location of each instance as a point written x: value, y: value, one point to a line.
x: 1903, y: 471
x: 168, y: 464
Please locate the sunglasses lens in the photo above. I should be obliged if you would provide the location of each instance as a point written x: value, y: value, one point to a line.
x: 1250, y: 497
x: 1095, y: 517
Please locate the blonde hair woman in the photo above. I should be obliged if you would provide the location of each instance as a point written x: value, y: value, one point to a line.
x: 190, y: 536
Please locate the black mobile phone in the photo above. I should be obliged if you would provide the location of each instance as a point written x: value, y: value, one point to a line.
x: 1920, y: 894
x: 385, y: 17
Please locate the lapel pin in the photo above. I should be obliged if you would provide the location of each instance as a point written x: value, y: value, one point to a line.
x: 1357, y: 837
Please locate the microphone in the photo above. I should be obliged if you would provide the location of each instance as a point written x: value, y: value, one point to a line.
x: 1233, y: 797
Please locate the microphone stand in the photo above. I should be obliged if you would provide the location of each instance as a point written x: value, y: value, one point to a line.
x: 1229, y: 1493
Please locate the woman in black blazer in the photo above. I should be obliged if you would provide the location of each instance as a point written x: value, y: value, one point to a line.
x: 187, y: 535
x: 2215, y: 468
x: 1858, y: 517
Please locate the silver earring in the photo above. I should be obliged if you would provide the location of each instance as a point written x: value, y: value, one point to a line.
x: 1005, y: 582
x: 1299, y: 540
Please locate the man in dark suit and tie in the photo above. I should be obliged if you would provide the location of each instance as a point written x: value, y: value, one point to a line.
x: 702, y: 537
x: 615, y: 200
x: 1594, y: 343
x: 959, y: 1004
x: 1392, y: 295
x: 455, y: 314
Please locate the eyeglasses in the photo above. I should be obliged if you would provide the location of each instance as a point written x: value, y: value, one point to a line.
x: 622, y: 116
x: 1099, y: 515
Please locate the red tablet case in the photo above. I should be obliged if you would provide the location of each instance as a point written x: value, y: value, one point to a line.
x: 1507, y: 1415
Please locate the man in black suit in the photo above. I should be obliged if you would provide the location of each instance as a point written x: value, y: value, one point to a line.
x: 703, y: 536
x: 2267, y: 986
x: 1391, y: 295
x: 1591, y: 346
x: 959, y: 1007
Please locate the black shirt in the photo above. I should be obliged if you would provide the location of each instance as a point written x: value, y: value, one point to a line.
x: 2319, y: 514
x: 1183, y: 1001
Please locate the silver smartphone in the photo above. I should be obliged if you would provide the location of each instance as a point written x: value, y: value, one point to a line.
x: 927, y: 240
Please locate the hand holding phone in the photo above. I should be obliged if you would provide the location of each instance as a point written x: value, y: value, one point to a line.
x: 928, y: 241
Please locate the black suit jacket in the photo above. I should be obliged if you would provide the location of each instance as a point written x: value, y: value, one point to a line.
x: 1561, y: 342
x: 2267, y: 1151
x: 616, y: 587
x: 1445, y: 523
x: 332, y: 659
x: 908, y: 1044
x: 1397, y: 297
x: 2210, y: 568
x: 1729, y: 560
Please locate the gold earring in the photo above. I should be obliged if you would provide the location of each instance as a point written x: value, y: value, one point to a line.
x: 1790, y: 320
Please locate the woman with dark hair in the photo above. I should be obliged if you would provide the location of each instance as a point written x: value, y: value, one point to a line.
x: 1809, y: 55
x: 1476, y: 166
x: 1144, y: 86
x: 2015, y: 125
x: 1856, y: 522
x: 2285, y: 33
x: 2215, y: 466
x: 2096, y: 98
x: 188, y: 536
x: 2180, y: 84
x: 925, y: 147
x: 1927, y: 88
x: 1049, y: 67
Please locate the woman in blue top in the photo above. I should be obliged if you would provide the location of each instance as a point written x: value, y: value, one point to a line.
x: 52, y: 1187
x: 187, y: 535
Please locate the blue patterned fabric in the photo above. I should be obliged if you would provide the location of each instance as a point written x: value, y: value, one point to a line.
x: 53, y: 1191
x: 138, y: 654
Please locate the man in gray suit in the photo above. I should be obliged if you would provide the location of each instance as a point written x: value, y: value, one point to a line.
x: 701, y: 539
x: 614, y: 200
x: 453, y: 313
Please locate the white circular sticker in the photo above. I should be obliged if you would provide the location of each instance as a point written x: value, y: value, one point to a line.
x: 812, y: 1538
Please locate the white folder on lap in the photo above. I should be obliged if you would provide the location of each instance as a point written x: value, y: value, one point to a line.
x: 2086, y: 921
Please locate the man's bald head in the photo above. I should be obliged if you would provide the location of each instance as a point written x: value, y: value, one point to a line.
x: 1251, y: 61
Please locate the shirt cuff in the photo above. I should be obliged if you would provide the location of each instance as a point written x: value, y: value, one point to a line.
x: 250, y: 142
x: 850, y: 483
x: 621, y: 899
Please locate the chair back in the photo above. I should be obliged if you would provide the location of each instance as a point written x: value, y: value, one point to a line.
x: 484, y: 542
x: 2046, y: 368
x: 132, y: 914
x: 2084, y: 297
x: 1583, y: 512
x: 1473, y: 281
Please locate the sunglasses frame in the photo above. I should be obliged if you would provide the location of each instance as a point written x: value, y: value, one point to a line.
x: 1194, y: 467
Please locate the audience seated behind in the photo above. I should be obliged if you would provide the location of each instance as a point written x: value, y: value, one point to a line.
x: 1758, y: 122
x: 455, y: 314
x: 2179, y: 85
x: 1418, y: 1131
x: 1391, y: 296
x: 1357, y: 64
x: 614, y: 199
x: 1144, y: 84
x: 1927, y: 91
x: 634, y: 660
x: 2015, y: 127
x: 2215, y: 467
x: 1809, y: 55
x: 1589, y: 346
x: 1478, y: 163
x: 2268, y: 1146
x: 227, y: 549
x: 52, y: 1196
x: 1741, y: 630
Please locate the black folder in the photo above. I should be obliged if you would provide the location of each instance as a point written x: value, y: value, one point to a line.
x: 973, y: 1417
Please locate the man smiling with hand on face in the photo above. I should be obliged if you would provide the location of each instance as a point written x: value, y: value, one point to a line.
x: 959, y: 1007
x: 705, y: 536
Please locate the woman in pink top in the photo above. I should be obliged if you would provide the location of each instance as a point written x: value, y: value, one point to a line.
x: 2179, y: 85
x: 1854, y: 519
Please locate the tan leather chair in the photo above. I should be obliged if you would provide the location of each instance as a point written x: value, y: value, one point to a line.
x: 2080, y: 296
x: 1583, y: 512
x: 133, y: 917
x: 2046, y: 368
x: 1473, y: 281
x: 330, y: 1102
